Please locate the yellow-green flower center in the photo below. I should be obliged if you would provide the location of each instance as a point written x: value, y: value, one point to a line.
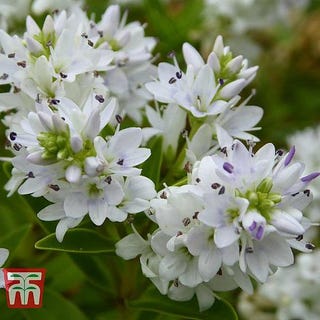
x: 262, y: 199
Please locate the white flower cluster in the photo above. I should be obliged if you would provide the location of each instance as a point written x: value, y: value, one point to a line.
x: 63, y: 115
x: 290, y: 294
x: 12, y: 11
x: 306, y: 142
x: 4, y: 253
x: 209, y: 92
x: 235, y: 216
x: 239, y: 19
x: 239, y: 217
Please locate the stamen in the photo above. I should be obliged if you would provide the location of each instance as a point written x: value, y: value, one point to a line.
x: 38, y: 98
x: 179, y: 74
x: 222, y: 190
x: 108, y: 180
x: 186, y: 221
x: 195, y: 216
x: 221, y: 81
x: 16, y: 89
x: 118, y: 118
x: 307, y: 192
x: 228, y: 167
x: 99, y: 98
x: 259, y: 233
x: 63, y: 75
x: 294, y: 194
x: 54, y: 187
x: 90, y: 43
x: 198, y: 180
x: 22, y: 64
x: 172, y: 80
x: 11, y: 55
x: 253, y: 226
x: 215, y: 185
x: 249, y: 250
x: 289, y: 156
x: 224, y: 150
x: 4, y: 76
x: 310, y: 246
x: 163, y: 195
x: 30, y: 174
x: 179, y: 233
x: 299, y: 237
x: 310, y: 177
x: 55, y: 101
x: 120, y: 162
x: 17, y: 146
x: 13, y: 136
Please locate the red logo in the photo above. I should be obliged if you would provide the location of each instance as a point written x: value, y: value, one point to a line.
x: 24, y: 287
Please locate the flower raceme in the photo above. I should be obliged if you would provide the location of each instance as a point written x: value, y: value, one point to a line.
x: 60, y: 155
x: 239, y: 217
x: 72, y: 84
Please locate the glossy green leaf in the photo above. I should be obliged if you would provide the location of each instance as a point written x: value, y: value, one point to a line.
x: 13, y: 238
x: 55, y: 306
x: 78, y: 241
x: 100, y: 270
x: 153, y: 301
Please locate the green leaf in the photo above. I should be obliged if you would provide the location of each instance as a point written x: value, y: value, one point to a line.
x: 152, y: 167
x: 55, y: 306
x: 77, y: 241
x: 14, y: 237
x: 152, y: 300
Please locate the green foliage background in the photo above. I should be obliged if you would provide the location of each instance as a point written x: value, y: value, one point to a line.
x: 85, y: 280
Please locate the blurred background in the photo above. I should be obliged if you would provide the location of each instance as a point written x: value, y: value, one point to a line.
x: 283, y: 38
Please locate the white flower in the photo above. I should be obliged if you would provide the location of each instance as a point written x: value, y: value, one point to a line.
x: 119, y: 154
x: 292, y: 293
x: 131, y: 63
x: 41, y: 6
x: 206, y: 88
x: 4, y: 253
x: 250, y: 200
x: 169, y: 124
x: 306, y: 142
x: 180, y: 257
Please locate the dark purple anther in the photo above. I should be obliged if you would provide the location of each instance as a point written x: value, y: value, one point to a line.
x: 253, y: 226
x: 222, y: 190
x: 221, y: 81
x: 259, y: 233
x: 99, y: 98
x: 289, y: 156
x: 120, y: 162
x: 172, y: 80
x: 228, y: 167
x: 179, y: 75
x: 310, y: 177
x: 307, y: 192
x: 12, y: 136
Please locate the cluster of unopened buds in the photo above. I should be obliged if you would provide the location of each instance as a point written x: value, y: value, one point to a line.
x: 231, y: 214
